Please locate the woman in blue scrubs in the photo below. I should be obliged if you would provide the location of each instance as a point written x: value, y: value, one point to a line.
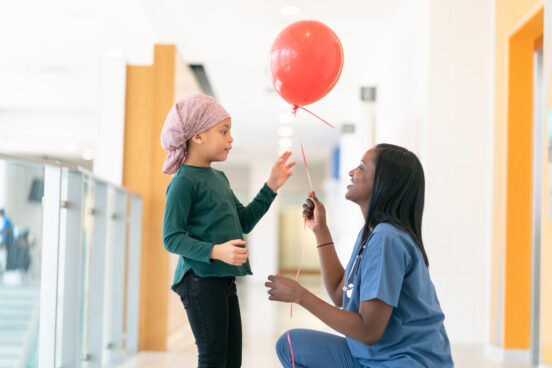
x: 385, y: 303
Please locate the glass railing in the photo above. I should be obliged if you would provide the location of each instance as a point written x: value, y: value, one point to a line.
x: 69, y: 266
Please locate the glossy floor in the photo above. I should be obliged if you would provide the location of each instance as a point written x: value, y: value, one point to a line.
x: 263, y: 322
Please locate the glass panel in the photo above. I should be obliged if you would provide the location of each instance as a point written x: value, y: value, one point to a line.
x: 87, y: 231
x: 21, y: 191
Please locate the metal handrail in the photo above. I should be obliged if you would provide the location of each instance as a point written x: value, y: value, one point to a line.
x: 61, y: 164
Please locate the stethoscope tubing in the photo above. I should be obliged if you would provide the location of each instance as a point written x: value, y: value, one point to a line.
x: 354, y: 269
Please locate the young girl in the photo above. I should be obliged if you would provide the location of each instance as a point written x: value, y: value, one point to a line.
x: 385, y: 302
x: 204, y: 224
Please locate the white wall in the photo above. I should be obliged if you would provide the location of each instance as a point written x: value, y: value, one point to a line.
x: 435, y: 98
x: 51, y: 70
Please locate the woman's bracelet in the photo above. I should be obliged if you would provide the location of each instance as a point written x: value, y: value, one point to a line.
x: 322, y: 245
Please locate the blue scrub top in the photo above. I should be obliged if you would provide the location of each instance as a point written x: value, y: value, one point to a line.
x: 392, y: 269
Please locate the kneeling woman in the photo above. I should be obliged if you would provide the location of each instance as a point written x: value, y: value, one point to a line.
x: 389, y: 314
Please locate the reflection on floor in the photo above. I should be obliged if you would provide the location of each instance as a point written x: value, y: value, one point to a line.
x: 263, y: 322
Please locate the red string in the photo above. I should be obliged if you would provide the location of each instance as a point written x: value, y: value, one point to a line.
x: 294, y: 111
x: 305, y: 161
x: 291, y: 350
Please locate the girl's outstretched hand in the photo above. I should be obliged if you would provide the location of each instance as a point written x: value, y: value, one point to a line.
x: 230, y: 253
x: 281, y: 171
x: 284, y: 289
x: 314, y: 213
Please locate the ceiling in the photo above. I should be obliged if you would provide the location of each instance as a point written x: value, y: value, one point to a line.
x: 50, y: 73
x: 233, y: 38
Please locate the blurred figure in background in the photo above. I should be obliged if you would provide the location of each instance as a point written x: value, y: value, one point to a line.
x: 6, y: 239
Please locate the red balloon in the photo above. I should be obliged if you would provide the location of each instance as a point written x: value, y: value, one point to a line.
x: 306, y: 60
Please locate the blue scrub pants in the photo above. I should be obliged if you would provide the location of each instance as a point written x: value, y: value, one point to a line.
x: 315, y: 349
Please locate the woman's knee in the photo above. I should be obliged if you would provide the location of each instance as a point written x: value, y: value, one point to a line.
x: 282, y: 346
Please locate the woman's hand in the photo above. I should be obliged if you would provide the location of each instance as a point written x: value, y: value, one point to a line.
x: 280, y: 173
x: 314, y: 213
x: 230, y: 253
x: 284, y: 289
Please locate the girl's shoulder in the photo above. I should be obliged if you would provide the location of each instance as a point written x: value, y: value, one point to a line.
x: 180, y: 184
x: 220, y: 174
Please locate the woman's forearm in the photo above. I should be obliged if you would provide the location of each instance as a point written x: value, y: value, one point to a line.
x: 348, y: 323
x: 331, y: 268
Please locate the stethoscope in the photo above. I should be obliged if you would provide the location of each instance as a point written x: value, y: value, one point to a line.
x: 349, y: 284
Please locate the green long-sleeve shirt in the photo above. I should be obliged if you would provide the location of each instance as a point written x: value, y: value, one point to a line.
x: 201, y: 211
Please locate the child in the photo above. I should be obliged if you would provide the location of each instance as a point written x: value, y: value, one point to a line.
x: 204, y: 223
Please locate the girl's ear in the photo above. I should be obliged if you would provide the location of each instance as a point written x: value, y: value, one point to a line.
x: 197, y: 139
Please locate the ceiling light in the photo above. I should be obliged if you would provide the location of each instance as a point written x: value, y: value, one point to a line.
x: 285, y: 131
x: 290, y: 10
x: 88, y: 155
x: 71, y: 146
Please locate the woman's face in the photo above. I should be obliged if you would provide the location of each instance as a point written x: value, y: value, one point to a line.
x: 362, y: 179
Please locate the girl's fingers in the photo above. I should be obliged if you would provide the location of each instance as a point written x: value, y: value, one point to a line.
x: 237, y: 242
x: 283, y: 157
x: 286, y: 155
x: 290, y: 165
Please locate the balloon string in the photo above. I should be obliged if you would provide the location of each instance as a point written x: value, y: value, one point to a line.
x: 300, y: 266
x: 294, y: 110
x: 306, y: 166
x: 291, y: 350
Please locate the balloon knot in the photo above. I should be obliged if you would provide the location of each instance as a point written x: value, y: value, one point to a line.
x: 294, y: 110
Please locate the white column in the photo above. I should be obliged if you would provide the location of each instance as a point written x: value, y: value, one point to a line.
x: 263, y: 240
x: 108, y: 156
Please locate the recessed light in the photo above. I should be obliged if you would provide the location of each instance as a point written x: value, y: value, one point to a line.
x: 71, y: 146
x: 285, y: 131
x: 290, y: 10
x: 88, y: 155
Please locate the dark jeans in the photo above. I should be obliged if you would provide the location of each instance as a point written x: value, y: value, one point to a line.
x: 214, y: 315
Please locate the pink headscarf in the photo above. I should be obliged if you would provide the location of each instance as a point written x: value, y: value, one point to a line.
x: 192, y: 115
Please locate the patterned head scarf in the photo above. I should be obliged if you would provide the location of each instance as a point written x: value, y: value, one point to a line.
x: 192, y: 115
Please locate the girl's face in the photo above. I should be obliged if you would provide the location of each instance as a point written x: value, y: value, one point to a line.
x: 362, y: 180
x: 217, y: 141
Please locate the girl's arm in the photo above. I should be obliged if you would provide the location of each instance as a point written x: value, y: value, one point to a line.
x: 333, y: 273
x: 252, y: 213
x: 366, y: 326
